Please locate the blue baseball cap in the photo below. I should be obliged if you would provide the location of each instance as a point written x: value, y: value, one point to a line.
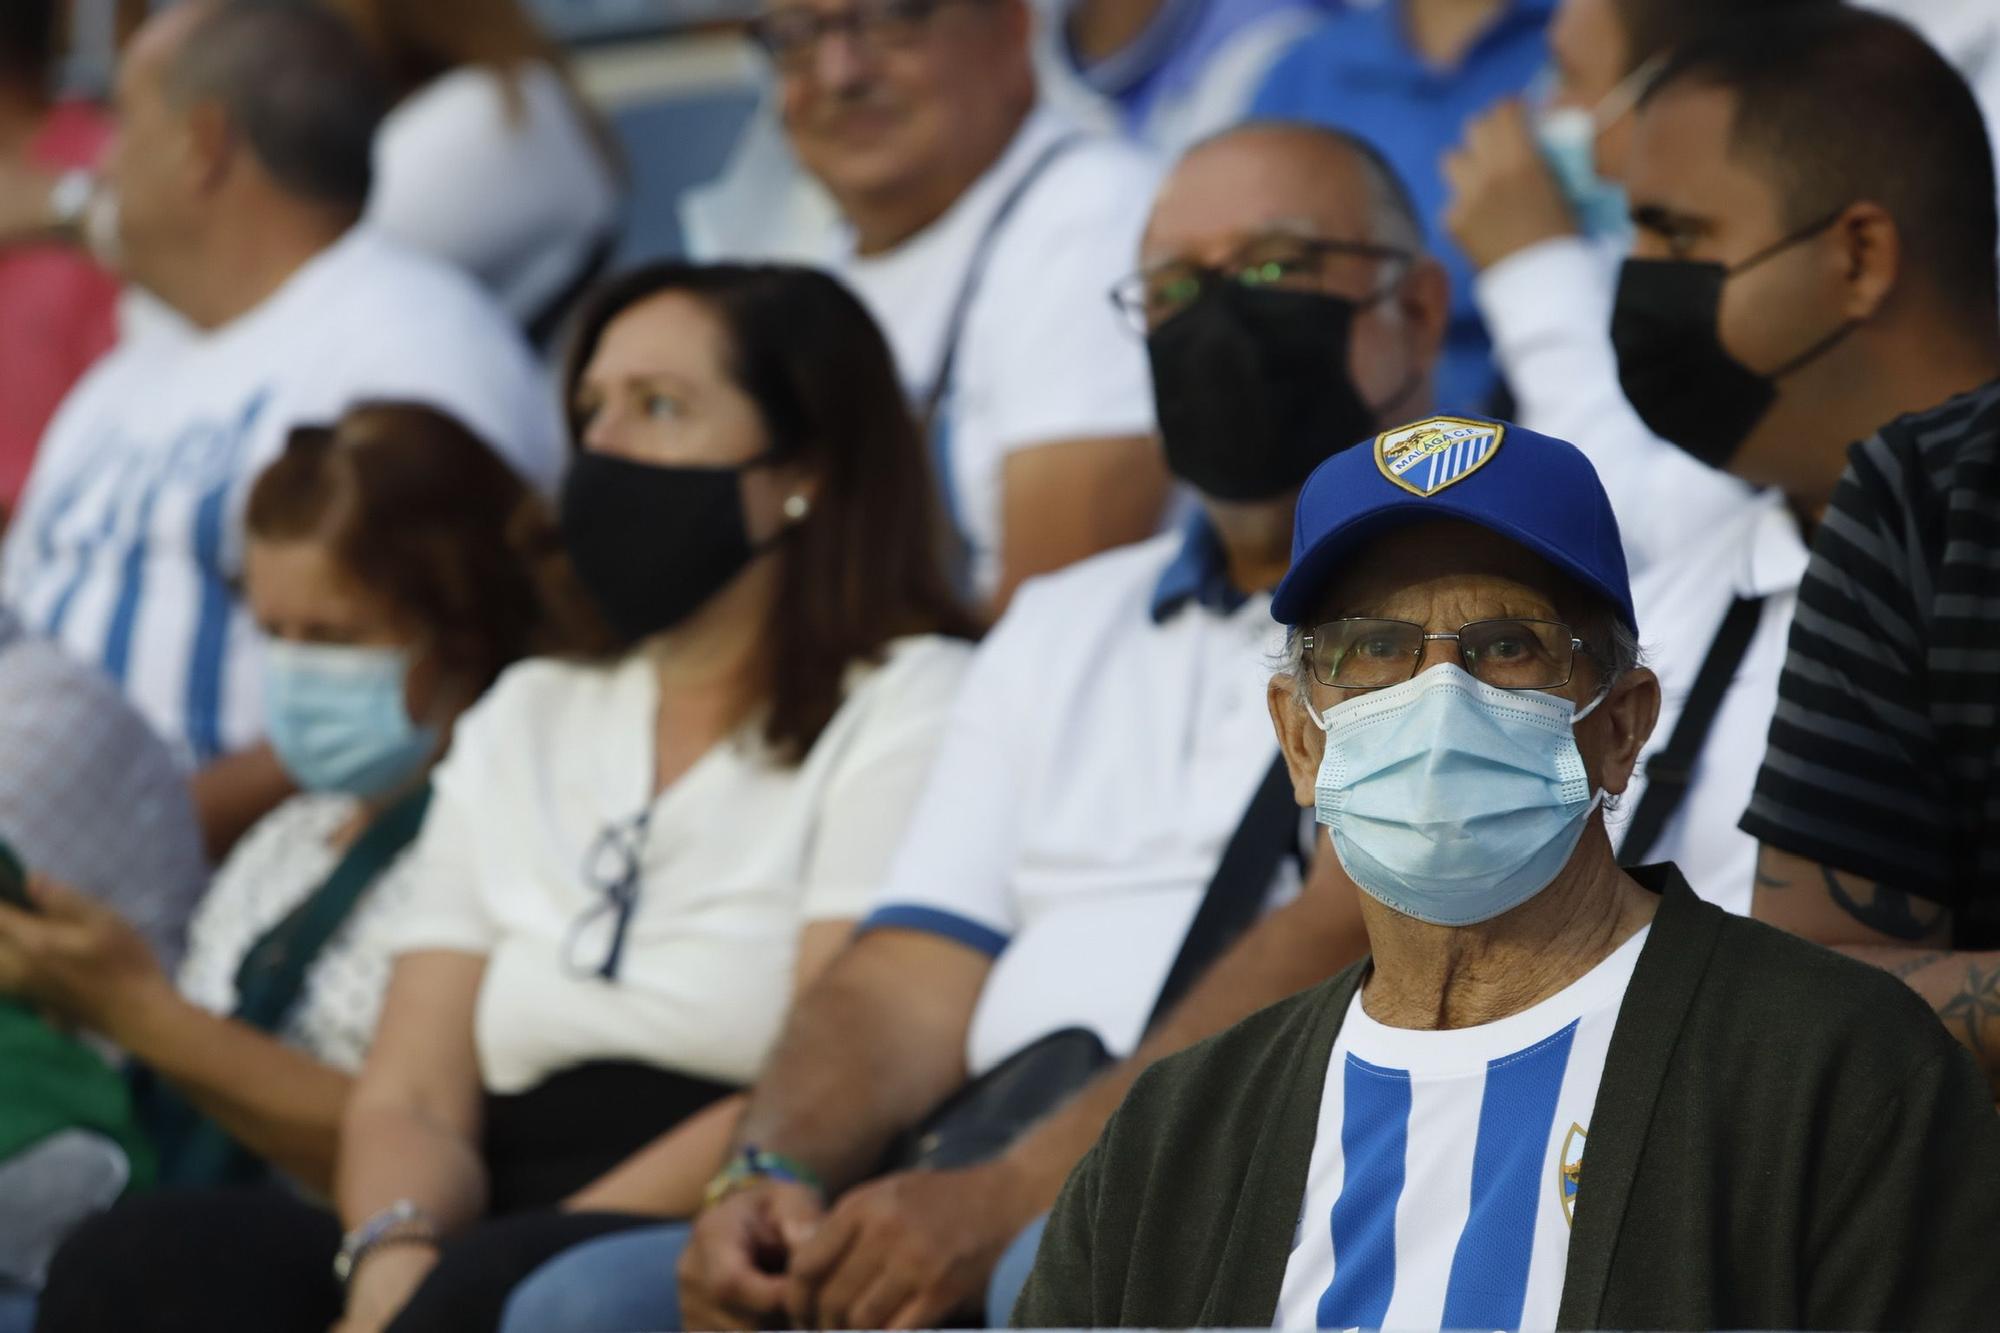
x: 1531, y: 489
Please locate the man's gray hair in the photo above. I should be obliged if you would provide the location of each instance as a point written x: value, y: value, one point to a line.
x: 298, y: 85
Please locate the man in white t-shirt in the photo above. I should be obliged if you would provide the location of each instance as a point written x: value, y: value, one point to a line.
x: 1110, y: 735
x: 1538, y: 210
x: 979, y: 229
x: 241, y: 168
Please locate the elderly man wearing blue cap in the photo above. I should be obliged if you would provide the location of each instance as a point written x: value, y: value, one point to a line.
x: 1557, y: 1093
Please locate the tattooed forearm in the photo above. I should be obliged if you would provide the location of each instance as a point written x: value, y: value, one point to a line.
x: 1909, y: 967
x: 1970, y: 1011
x: 1881, y: 908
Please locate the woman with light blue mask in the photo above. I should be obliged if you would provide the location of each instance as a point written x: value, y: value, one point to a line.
x: 396, y: 566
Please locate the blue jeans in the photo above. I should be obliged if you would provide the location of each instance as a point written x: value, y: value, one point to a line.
x: 17, y: 1308
x: 628, y: 1283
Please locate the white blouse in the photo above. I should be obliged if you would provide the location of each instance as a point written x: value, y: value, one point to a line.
x: 519, y: 200
x: 733, y: 859
x: 275, y: 868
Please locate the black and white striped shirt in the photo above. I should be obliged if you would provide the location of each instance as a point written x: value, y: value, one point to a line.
x: 1884, y: 758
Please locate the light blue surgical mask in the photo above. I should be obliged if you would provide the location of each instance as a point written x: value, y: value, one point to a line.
x: 338, y: 720
x: 1451, y: 800
x: 1568, y: 136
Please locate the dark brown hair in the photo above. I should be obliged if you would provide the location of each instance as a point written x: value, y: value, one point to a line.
x: 864, y: 566
x: 420, y: 512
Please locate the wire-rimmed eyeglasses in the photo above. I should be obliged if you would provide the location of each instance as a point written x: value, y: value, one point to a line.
x: 1152, y: 296
x: 1370, y: 654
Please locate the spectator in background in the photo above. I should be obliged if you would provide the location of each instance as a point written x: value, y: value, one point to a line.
x: 1815, y: 265
x: 1715, y: 562
x: 1178, y: 70
x: 241, y: 167
x: 980, y: 228
x: 385, y: 561
x: 1108, y: 743
x: 61, y: 309
x: 629, y: 865
x: 1408, y: 75
x: 490, y: 159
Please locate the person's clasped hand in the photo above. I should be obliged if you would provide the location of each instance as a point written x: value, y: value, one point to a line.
x: 77, y: 959
x: 907, y: 1251
x: 1504, y: 195
x: 732, y: 1273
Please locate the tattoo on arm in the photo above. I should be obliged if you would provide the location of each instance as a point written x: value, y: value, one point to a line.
x: 1909, y: 967
x: 1767, y: 878
x: 1889, y: 911
x: 1974, y: 1007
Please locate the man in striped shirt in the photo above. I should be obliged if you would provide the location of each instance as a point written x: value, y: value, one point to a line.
x: 1836, y: 172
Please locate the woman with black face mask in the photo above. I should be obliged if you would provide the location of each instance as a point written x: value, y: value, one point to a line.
x: 630, y: 865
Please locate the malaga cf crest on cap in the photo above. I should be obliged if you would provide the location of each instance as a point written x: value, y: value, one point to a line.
x: 1427, y: 456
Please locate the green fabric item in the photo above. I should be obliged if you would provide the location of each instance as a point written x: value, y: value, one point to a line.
x: 53, y: 1083
x: 1784, y: 1138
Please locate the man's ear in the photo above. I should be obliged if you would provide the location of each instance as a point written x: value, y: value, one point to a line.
x: 1870, y: 255
x: 1302, y: 743
x: 1425, y: 300
x: 1626, y: 718
x: 211, y: 141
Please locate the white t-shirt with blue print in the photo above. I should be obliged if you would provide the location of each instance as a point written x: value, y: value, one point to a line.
x: 1445, y: 1175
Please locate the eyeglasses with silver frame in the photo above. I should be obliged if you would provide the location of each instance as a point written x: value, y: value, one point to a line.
x: 1365, y: 653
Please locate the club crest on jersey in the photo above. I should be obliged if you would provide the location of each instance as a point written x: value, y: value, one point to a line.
x: 1569, y: 1171
x: 1426, y: 456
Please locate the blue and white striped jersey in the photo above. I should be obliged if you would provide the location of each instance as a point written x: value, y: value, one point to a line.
x: 127, y: 549
x: 1447, y: 1165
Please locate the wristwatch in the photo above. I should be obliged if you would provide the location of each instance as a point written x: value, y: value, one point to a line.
x: 401, y: 1223
x: 750, y: 1165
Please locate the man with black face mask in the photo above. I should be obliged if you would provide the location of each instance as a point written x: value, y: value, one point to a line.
x: 1092, y: 785
x: 1815, y: 265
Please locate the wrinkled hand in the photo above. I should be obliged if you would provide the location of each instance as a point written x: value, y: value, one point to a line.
x: 383, y: 1285
x: 910, y: 1250
x: 1504, y: 196
x: 78, y: 959
x: 732, y: 1272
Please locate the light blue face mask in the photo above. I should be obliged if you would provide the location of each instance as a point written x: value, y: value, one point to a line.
x: 1450, y: 800
x: 338, y: 720
x: 1568, y: 136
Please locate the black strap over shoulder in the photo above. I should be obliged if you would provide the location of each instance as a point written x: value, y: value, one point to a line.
x: 1669, y: 772
x: 1269, y: 831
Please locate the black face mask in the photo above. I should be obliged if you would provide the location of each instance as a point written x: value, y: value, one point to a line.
x: 652, y: 543
x: 1253, y: 391
x: 1675, y: 371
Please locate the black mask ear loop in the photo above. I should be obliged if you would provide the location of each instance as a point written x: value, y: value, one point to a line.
x: 1831, y: 340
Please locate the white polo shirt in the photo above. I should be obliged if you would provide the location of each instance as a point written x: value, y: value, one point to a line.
x: 1043, y: 357
x: 1695, y: 540
x: 129, y: 545
x: 737, y: 855
x: 1110, y: 734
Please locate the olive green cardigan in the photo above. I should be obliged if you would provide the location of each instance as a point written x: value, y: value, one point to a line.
x: 1784, y: 1138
